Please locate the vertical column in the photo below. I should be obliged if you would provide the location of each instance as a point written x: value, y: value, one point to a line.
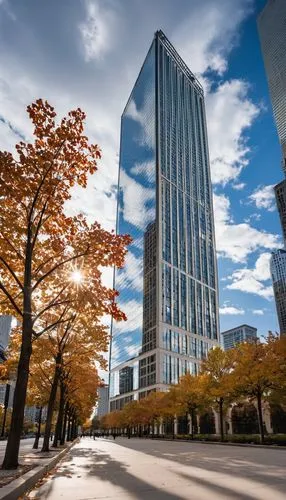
x: 175, y: 426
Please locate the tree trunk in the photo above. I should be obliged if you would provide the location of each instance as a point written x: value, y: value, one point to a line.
x: 38, y: 435
x: 59, y: 424
x: 260, y: 417
x: 73, y: 428
x: 69, y: 427
x: 192, y: 412
x: 51, y: 404
x: 221, y: 419
x: 17, y: 420
x: 63, y: 436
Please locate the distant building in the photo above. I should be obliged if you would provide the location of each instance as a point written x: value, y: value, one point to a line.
x: 102, y: 404
x: 242, y: 333
x: 278, y: 272
x: 5, y: 329
x: 7, y: 391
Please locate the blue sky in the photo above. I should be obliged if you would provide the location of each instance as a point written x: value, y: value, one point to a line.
x: 88, y: 53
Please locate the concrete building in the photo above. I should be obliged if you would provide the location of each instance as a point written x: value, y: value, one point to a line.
x: 168, y: 287
x: 102, y: 404
x: 242, y: 333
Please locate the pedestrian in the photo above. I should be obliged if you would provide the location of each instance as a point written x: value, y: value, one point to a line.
x: 114, y: 436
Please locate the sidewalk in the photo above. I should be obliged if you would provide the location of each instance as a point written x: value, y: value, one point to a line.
x: 34, y: 464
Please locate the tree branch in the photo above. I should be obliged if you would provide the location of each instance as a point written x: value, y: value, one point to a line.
x: 70, y: 259
x: 2, y: 287
x: 12, y: 273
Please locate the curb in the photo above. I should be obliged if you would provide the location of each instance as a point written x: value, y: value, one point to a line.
x: 19, y: 486
x: 219, y: 443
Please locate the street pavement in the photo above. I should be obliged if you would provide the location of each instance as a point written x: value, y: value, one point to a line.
x: 157, y: 470
x: 26, y: 447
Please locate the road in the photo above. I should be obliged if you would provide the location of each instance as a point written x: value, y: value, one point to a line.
x: 157, y: 470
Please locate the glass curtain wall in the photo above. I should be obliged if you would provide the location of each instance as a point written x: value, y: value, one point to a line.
x: 137, y: 217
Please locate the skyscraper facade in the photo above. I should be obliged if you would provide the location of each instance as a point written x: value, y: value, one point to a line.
x: 272, y: 31
x: 168, y: 287
x: 278, y: 273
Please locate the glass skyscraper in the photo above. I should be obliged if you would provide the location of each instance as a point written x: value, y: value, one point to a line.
x: 278, y: 272
x: 168, y: 287
x: 272, y: 32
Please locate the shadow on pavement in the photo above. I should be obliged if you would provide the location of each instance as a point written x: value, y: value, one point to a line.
x: 219, y: 459
x: 101, y: 466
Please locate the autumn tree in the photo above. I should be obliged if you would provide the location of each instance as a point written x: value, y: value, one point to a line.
x: 40, y: 245
x: 257, y: 373
x: 217, y: 368
x: 189, y: 396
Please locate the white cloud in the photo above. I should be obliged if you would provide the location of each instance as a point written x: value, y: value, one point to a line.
x: 135, y: 199
x: 258, y: 312
x: 253, y: 280
x: 239, y: 186
x: 131, y: 275
x: 264, y: 197
x: 231, y: 311
x: 95, y: 30
x: 229, y: 114
x: 147, y: 169
x: 208, y: 33
x: 237, y: 241
x: 134, y: 312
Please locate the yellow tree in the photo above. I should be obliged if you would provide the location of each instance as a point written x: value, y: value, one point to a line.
x: 189, y: 396
x: 40, y: 243
x: 218, y: 381
x: 256, y: 374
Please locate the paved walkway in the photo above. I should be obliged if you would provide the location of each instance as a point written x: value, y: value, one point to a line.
x: 158, y: 470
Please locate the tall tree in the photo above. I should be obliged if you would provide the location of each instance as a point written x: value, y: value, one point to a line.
x: 40, y: 244
x: 257, y: 374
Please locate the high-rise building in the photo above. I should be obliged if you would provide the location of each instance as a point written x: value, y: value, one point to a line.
x: 278, y: 273
x: 168, y: 287
x: 272, y: 31
x: 235, y: 336
x: 102, y: 403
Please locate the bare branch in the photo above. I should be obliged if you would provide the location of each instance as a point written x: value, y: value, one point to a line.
x: 3, y: 288
x: 12, y: 273
x: 12, y: 246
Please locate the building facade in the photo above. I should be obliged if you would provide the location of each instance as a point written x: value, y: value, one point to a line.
x: 168, y: 287
x: 234, y: 336
x: 6, y: 322
x: 278, y: 273
x: 272, y: 32
x: 102, y: 403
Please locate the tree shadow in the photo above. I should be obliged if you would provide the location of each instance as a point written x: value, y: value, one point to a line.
x: 103, y: 467
x: 219, y: 459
